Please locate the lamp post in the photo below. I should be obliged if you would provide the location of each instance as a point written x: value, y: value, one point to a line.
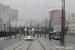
x: 1, y: 21
x: 16, y: 29
x: 4, y: 31
x: 20, y: 35
x: 45, y: 26
x: 62, y: 23
x: 4, y: 27
x: 38, y: 29
x: 50, y: 24
x: 9, y: 29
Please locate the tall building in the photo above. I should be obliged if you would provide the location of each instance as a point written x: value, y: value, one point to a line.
x: 7, y: 13
x: 56, y: 14
x: 0, y: 10
x: 55, y: 18
x: 13, y: 14
x: 5, y: 9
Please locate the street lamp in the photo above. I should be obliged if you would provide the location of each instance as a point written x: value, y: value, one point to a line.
x: 16, y: 29
x: 9, y: 29
x: 45, y: 26
x: 50, y: 20
x: 1, y: 21
x: 4, y: 27
x: 4, y: 31
x: 20, y: 35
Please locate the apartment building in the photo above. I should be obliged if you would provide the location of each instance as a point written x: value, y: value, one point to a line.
x: 55, y: 18
x: 6, y: 14
x: 72, y: 24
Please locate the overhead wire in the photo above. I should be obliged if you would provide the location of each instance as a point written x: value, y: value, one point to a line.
x: 38, y: 5
x: 26, y: 8
x: 14, y: 2
x: 45, y: 8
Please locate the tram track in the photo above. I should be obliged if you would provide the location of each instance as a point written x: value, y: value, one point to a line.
x: 29, y: 45
x: 25, y: 45
x: 41, y: 44
x: 55, y: 47
x: 19, y: 45
x: 37, y: 44
x: 50, y: 44
x: 47, y: 45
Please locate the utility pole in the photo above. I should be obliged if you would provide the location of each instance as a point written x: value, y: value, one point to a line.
x: 62, y: 35
x: 16, y: 29
x: 9, y: 29
x: 31, y: 23
x: 4, y: 27
x: 50, y: 22
x: 38, y: 29
x: 4, y: 31
x: 45, y: 27
x: 20, y: 35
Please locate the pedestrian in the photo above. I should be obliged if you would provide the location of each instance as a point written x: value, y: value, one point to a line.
x: 49, y: 36
x: 39, y: 34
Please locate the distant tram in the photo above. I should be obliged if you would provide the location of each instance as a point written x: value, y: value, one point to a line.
x: 29, y: 33
x: 55, y: 35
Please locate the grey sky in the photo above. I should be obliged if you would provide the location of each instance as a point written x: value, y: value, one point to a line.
x: 35, y: 8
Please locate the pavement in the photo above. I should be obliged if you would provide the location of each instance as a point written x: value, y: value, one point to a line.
x: 7, y: 43
x: 70, y: 39
x: 69, y: 42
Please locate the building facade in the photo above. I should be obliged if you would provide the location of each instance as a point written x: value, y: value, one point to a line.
x: 55, y: 18
x: 5, y: 15
x: 13, y: 14
x: 71, y: 24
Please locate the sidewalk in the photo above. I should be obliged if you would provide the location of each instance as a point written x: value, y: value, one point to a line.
x: 70, y: 39
x: 7, y: 43
x: 12, y: 47
x: 68, y: 43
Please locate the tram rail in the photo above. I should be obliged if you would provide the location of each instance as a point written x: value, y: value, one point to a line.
x: 22, y: 44
x: 29, y: 45
x: 19, y: 45
x: 54, y: 45
x: 41, y: 44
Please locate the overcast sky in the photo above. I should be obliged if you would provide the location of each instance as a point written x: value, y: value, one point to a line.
x: 34, y: 8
